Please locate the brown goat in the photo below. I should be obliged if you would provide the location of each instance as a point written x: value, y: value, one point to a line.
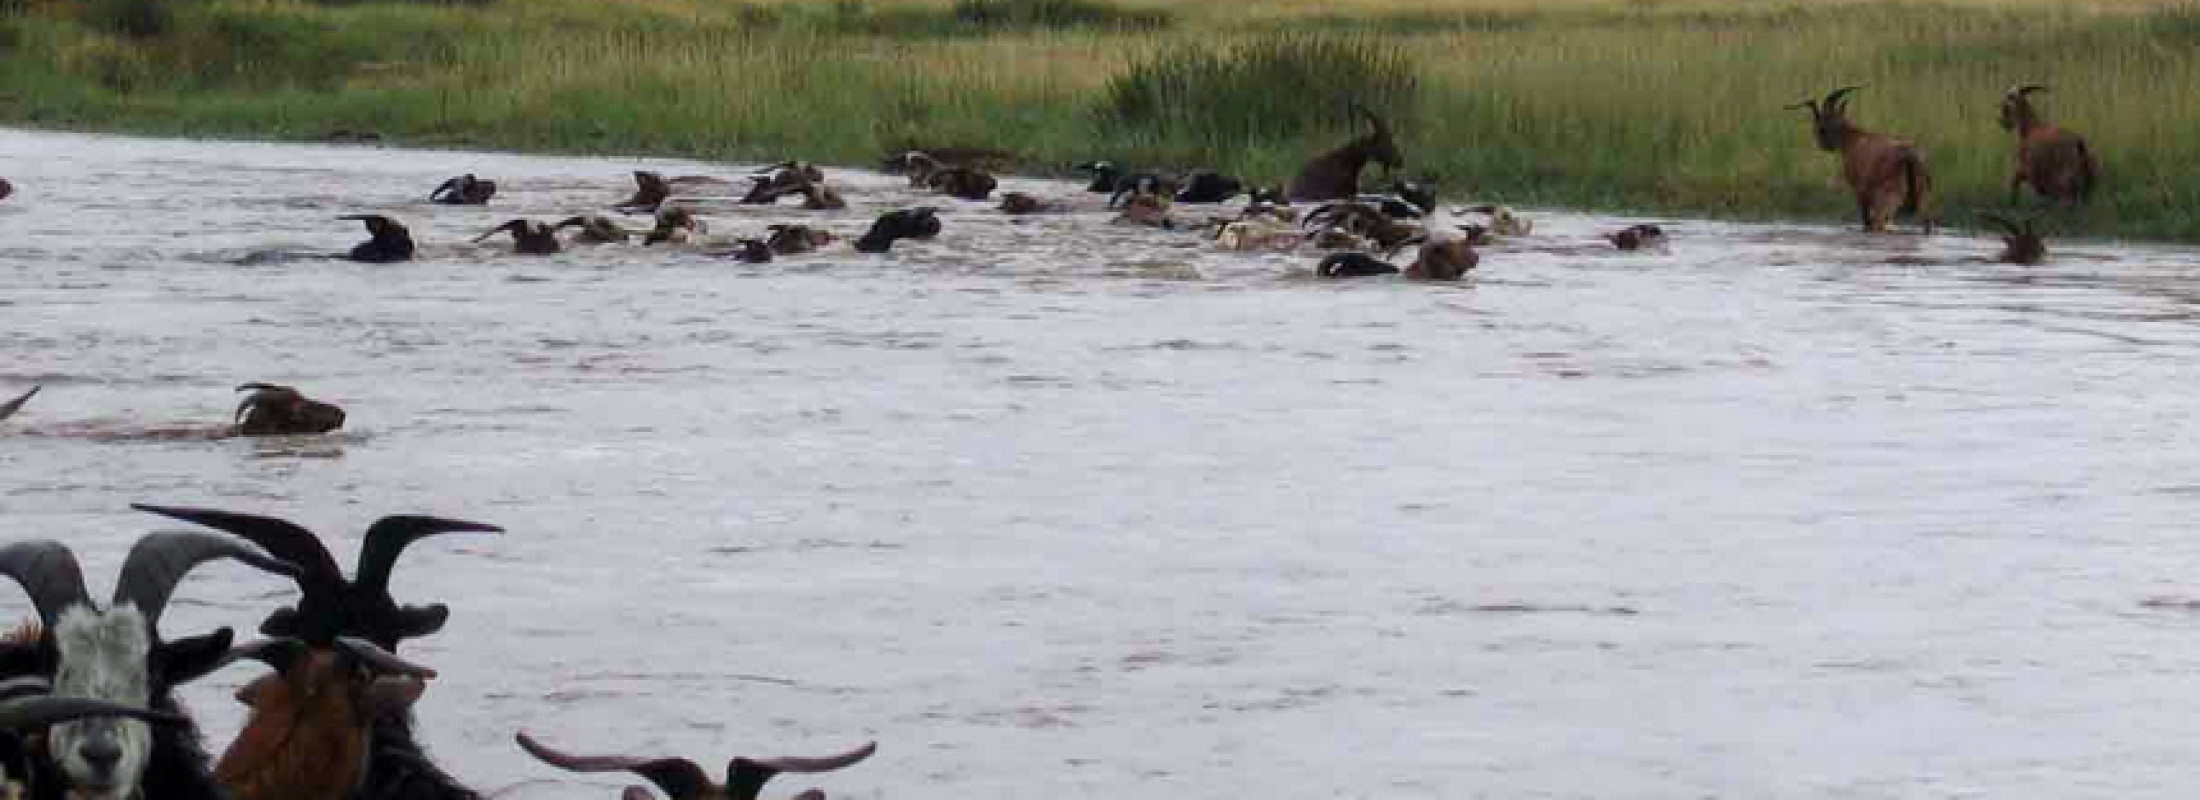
x: 2058, y: 163
x: 312, y: 719
x: 2022, y: 241
x: 682, y: 779
x: 1444, y: 260
x: 1335, y: 175
x: 788, y: 240
x: 272, y: 410
x: 651, y: 189
x: 1887, y: 174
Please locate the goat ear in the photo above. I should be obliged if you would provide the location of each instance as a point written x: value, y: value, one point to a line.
x: 188, y: 659
x: 414, y: 622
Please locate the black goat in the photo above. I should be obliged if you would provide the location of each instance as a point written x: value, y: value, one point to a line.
x: 922, y: 222
x: 1208, y: 186
x: 387, y: 240
x: 1335, y: 175
x: 1353, y: 265
x: 464, y: 190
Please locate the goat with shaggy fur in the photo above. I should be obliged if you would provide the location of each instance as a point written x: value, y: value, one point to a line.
x: 331, y: 607
x: 312, y: 719
x: 26, y: 710
x: 2058, y: 163
x: 681, y: 779
x: 117, y: 654
x: 1887, y: 174
x: 1335, y: 175
x: 273, y: 410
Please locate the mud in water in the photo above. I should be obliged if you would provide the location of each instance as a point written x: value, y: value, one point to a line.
x: 1050, y: 507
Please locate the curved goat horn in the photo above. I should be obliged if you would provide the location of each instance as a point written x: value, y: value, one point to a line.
x: 160, y: 560
x: 745, y: 777
x: 2026, y: 89
x: 388, y: 537
x: 319, y: 578
x: 378, y: 659
x: 280, y: 654
x: 1809, y: 105
x: 49, y: 574
x: 1837, y: 100
x: 24, y: 713
x: 680, y: 778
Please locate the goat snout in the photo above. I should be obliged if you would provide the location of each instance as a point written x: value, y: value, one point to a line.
x: 102, y: 751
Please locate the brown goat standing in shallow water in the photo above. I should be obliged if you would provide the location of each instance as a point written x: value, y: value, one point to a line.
x: 1335, y: 175
x: 682, y: 779
x: 2058, y: 163
x: 1887, y: 174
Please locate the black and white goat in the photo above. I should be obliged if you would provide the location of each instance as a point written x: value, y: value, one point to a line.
x: 116, y: 654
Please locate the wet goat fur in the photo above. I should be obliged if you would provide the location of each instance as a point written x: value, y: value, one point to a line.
x: 308, y: 735
x: 2058, y: 163
x: 273, y: 410
x: 1335, y: 175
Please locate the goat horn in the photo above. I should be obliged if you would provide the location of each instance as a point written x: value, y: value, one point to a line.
x: 1807, y: 105
x: 160, y: 560
x: 389, y: 536
x: 2026, y: 89
x: 25, y: 713
x: 380, y: 660
x: 1837, y: 100
x: 680, y: 778
x: 49, y: 574
x: 745, y: 777
x: 319, y: 576
x: 279, y: 654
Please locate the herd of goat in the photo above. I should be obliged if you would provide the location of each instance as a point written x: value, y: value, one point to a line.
x: 87, y: 705
x: 87, y: 710
x: 1358, y: 231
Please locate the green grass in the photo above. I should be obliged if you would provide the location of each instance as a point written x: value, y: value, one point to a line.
x: 1666, y: 107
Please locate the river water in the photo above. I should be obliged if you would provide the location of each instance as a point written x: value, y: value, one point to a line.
x: 1051, y: 508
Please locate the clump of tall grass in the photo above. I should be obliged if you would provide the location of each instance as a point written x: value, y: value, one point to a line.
x: 1272, y: 87
x: 1058, y: 14
x: 138, y: 19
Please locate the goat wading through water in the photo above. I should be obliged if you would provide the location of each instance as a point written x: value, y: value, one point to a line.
x: 681, y: 779
x: 1887, y: 174
x: 1335, y: 175
x: 2058, y: 163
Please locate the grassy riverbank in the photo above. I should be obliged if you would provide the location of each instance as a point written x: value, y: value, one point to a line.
x: 1652, y: 106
